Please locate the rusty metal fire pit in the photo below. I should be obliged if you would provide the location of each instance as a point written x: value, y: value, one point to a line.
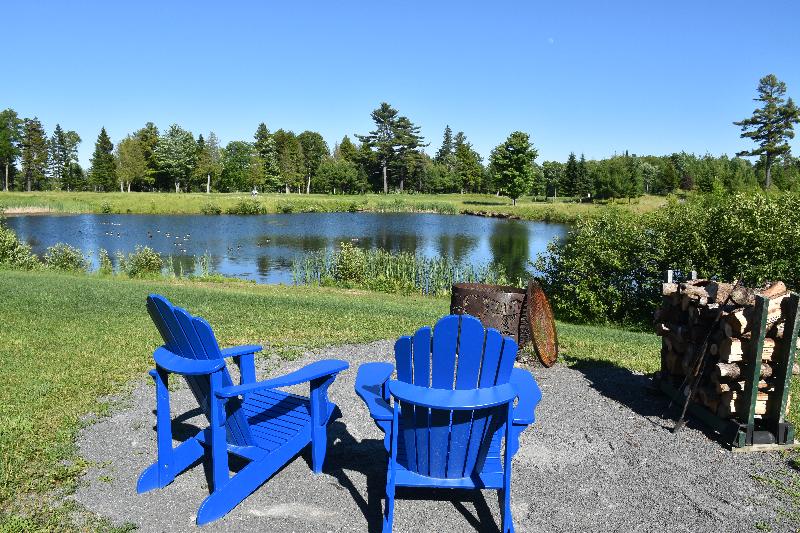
x: 524, y: 315
x: 496, y: 306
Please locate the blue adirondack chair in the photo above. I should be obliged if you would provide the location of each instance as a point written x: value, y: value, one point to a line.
x: 452, y: 406
x: 253, y: 420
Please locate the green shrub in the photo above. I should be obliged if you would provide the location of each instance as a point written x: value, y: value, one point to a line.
x: 143, y: 263
x: 285, y: 207
x: 350, y: 264
x: 106, y: 268
x: 247, y: 206
x: 15, y: 253
x: 105, y: 207
x: 210, y: 208
x: 65, y: 257
x: 610, y: 266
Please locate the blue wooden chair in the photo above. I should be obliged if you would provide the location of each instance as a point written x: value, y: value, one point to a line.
x: 253, y: 420
x: 452, y: 406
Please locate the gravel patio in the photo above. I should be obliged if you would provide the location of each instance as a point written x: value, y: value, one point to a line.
x: 599, y: 458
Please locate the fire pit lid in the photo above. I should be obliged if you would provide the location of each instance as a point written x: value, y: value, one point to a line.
x: 542, y: 326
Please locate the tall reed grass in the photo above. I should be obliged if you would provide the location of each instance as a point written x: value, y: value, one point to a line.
x: 379, y: 270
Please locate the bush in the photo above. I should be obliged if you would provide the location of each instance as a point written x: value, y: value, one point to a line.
x: 106, y: 268
x: 285, y: 207
x: 210, y: 208
x: 247, y: 206
x: 350, y: 264
x: 143, y: 263
x: 610, y: 266
x: 105, y: 207
x: 65, y: 257
x: 15, y: 253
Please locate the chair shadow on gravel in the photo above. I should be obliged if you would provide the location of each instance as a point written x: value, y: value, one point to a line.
x: 369, y: 457
x: 636, y: 392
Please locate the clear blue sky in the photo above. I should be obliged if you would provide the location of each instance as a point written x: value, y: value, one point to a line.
x: 597, y: 76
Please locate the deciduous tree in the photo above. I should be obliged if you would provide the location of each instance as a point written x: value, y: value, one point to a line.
x: 512, y: 164
x: 132, y: 169
x: 10, y: 136
x: 315, y: 150
x: 176, y: 154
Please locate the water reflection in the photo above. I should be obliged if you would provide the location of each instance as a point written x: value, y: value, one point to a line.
x: 510, y: 248
x: 262, y: 247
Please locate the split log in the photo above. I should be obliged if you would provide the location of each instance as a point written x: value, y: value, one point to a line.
x: 725, y: 372
x: 728, y: 409
x: 741, y: 321
x: 732, y: 350
x: 738, y: 386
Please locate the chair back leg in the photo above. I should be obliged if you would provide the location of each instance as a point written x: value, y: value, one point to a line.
x: 505, y: 493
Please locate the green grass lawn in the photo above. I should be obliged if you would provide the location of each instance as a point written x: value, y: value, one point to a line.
x: 68, y: 340
x: 170, y: 203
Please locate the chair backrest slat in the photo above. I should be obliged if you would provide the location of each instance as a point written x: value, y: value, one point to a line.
x: 192, y: 337
x: 459, y: 353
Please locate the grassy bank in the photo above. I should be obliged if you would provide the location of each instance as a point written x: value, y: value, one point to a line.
x: 197, y: 203
x: 68, y: 340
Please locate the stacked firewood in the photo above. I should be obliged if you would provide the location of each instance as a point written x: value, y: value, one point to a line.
x: 720, y: 318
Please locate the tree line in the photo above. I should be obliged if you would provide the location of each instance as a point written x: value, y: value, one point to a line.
x: 391, y: 157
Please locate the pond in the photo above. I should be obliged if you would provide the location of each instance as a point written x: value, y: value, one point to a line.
x: 262, y: 248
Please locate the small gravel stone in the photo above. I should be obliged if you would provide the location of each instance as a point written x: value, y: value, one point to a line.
x: 599, y: 458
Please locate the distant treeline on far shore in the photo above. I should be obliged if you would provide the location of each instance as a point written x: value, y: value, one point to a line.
x: 392, y: 157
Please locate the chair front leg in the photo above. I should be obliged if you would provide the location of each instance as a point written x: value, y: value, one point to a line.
x: 320, y: 412
x: 219, y: 442
x: 163, y: 428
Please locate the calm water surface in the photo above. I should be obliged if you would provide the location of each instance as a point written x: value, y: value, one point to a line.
x: 262, y: 247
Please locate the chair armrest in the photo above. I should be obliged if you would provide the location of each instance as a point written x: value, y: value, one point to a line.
x: 369, y: 386
x: 453, y: 399
x: 529, y: 396
x: 237, y: 351
x: 244, y: 358
x: 309, y: 372
x: 176, y: 364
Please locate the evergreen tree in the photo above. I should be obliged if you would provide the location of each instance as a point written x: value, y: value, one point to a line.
x: 58, y: 158
x: 383, y: 139
x: 176, y: 154
x: 772, y: 125
x: 583, y: 181
x: 33, y: 153
x: 149, y: 137
x: 290, y: 159
x: 315, y: 150
x: 408, y: 161
x: 512, y: 164
x: 268, y: 158
x: 445, y: 154
x: 346, y: 150
x: 570, y: 176
x: 10, y: 136
x: 468, y: 168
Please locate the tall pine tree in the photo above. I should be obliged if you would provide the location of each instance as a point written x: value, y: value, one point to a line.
x: 583, y: 182
x: 33, y: 153
x: 570, y: 176
x: 267, y: 156
x: 103, y: 172
x: 771, y: 125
